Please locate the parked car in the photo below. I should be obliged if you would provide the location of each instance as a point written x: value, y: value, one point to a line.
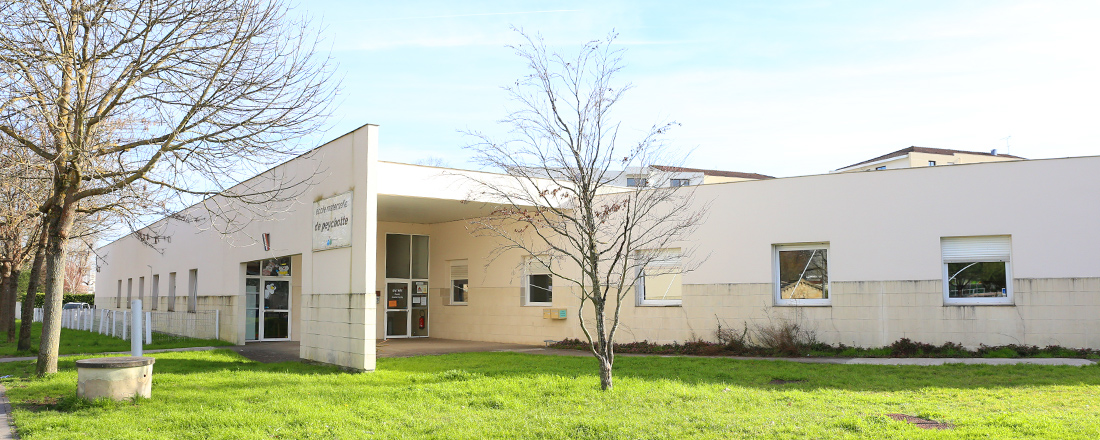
x: 75, y: 305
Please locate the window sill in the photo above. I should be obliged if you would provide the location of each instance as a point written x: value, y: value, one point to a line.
x: 458, y: 304
x: 538, y: 305
x: 984, y: 304
x: 660, y: 304
x: 803, y: 304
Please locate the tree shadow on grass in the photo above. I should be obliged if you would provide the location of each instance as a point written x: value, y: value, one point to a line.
x: 771, y: 375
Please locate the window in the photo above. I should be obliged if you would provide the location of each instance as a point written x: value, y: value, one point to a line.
x: 155, y: 292
x: 171, y: 291
x: 129, y: 291
x: 679, y: 182
x: 192, y: 290
x: 880, y: 168
x: 802, y: 274
x: 141, y: 291
x: 460, y: 282
x: 931, y: 163
x: 637, y: 181
x: 538, y: 284
x: 977, y: 270
x: 118, y: 296
x: 659, y: 278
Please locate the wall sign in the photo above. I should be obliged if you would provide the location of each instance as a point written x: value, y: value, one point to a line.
x: 332, y: 222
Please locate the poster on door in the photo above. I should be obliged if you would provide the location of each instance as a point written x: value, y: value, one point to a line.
x: 332, y: 222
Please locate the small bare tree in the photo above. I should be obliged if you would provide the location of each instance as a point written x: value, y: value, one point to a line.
x: 561, y: 203
x: 132, y: 99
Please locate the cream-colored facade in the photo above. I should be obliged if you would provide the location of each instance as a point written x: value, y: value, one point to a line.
x: 914, y: 157
x: 885, y: 277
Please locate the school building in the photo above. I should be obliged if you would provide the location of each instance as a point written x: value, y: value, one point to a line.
x: 976, y: 253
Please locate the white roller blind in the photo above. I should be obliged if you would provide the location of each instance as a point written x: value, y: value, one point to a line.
x: 661, y: 257
x: 460, y: 270
x: 970, y: 249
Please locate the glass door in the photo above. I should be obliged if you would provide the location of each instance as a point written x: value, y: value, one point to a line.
x: 406, y: 298
x: 267, y: 299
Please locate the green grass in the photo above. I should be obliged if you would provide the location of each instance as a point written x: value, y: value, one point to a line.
x: 220, y: 395
x: 79, y: 341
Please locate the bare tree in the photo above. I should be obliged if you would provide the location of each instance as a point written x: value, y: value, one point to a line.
x: 128, y: 98
x: 561, y: 207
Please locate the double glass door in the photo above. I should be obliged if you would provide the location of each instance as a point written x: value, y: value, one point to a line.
x: 406, y: 299
x: 267, y: 299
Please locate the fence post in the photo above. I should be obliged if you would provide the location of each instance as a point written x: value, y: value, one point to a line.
x: 136, y: 332
x: 148, y: 327
x: 126, y: 331
x: 217, y: 323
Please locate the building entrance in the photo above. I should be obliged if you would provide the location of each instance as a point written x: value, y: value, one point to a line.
x: 406, y: 297
x: 267, y: 300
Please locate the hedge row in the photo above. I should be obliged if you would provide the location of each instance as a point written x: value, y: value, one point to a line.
x: 40, y: 299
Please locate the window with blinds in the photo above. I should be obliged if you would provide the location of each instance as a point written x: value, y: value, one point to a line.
x: 538, y: 284
x: 660, y: 280
x: 460, y: 282
x: 977, y: 270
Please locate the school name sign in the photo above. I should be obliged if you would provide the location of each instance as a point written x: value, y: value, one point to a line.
x: 332, y: 222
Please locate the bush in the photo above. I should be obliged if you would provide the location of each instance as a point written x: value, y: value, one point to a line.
x: 785, y: 338
x: 40, y: 299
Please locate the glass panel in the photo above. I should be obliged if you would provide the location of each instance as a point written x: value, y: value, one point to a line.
x: 458, y: 290
x: 276, y: 295
x: 663, y: 283
x: 397, y: 295
x: 397, y: 256
x: 276, y: 325
x: 252, y: 268
x: 803, y: 274
x: 420, y: 322
x: 252, y: 293
x: 539, y: 288
x: 420, y: 256
x: 977, y: 280
x: 397, y: 323
x: 276, y: 267
x: 252, y: 324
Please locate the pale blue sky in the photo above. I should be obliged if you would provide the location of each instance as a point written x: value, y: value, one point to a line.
x: 780, y: 88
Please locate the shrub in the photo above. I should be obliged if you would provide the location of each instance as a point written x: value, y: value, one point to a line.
x: 40, y: 299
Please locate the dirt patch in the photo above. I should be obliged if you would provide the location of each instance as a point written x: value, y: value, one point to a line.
x: 785, y: 381
x: 920, y: 422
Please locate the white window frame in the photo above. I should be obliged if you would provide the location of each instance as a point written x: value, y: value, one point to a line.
x: 776, y: 294
x: 155, y: 292
x: 677, y: 183
x: 192, y: 291
x: 637, y: 178
x: 673, y: 259
x: 451, y: 288
x: 528, y: 270
x: 1007, y: 300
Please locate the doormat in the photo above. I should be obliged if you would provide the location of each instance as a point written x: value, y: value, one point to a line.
x: 921, y: 422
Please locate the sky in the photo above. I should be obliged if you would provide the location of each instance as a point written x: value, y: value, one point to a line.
x: 781, y: 88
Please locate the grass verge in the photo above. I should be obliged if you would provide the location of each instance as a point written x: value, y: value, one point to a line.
x: 79, y: 342
x: 218, y: 394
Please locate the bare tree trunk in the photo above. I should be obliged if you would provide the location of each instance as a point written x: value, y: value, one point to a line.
x: 27, y: 317
x: 6, y: 293
x: 13, y: 297
x: 59, y: 225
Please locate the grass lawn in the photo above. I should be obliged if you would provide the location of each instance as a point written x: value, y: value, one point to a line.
x: 220, y: 395
x: 79, y: 341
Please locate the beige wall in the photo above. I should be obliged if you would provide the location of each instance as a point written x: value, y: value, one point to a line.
x: 723, y: 179
x: 884, y: 260
x: 334, y: 329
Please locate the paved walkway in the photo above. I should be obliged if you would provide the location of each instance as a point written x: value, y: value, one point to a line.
x: 846, y: 361
x: 7, y: 430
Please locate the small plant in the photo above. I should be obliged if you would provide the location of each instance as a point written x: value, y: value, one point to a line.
x: 783, y: 337
x: 733, y: 340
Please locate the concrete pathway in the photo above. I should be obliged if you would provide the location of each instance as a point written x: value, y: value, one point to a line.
x: 7, y: 430
x: 845, y: 361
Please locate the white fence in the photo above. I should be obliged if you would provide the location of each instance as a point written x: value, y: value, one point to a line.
x: 161, y: 325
